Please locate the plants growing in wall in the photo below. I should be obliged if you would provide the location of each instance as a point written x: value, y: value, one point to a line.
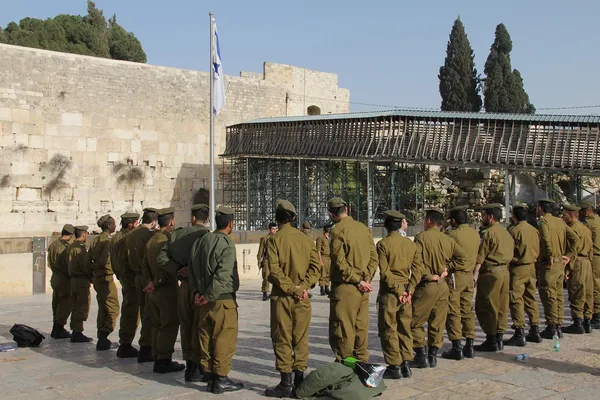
x: 128, y: 175
x: 57, y: 169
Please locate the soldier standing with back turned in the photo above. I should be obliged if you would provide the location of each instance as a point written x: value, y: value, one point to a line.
x: 323, y: 252
x: 592, y: 221
x: 262, y: 260
x: 62, y: 302
x: 81, y: 278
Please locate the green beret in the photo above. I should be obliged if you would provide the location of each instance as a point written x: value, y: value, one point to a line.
x: 102, y: 220
x: 516, y: 206
x: 130, y: 215
x: 286, y: 206
x: 165, y: 211
x: 491, y: 206
x: 434, y: 210
x: 549, y: 201
x: 306, y: 225
x: 150, y: 210
x: 83, y: 228
x: 200, y: 206
x: 225, y: 211
x: 394, y: 215
x: 336, y: 202
x: 458, y: 208
x: 585, y: 205
x: 571, y: 207
x: 69, y: 228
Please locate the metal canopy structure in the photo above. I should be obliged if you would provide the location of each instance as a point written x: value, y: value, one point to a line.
x: 366, y: 157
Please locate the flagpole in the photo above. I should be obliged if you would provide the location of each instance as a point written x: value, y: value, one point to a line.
x: 212, y: 126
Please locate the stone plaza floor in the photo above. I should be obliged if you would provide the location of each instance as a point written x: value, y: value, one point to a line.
x: 62, y: 370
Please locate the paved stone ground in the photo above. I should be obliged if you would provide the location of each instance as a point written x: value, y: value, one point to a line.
x: 61, y: 370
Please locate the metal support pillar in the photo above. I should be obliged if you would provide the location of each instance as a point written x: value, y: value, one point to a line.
x: 507, y: 194
x: 578, y: 188
x: 393, y: 186
x: 357, y: 185
x: 300, y: 192
x: 370, y: 194
x: 248, y: 224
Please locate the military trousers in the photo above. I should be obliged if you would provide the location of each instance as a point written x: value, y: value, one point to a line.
x: 596, y: 278
x: 266, y: 286
x: 146, y: 322
x: 290, y: 320
x: 80, y: 290
x: 522, y: 296
x: 430, y: 305
x: 165, y: 320
x: 62, y: 298
x: 325, y: 271
x: 108, y: 303
x: 349, y: 322
x: 492, y: 299
x: 393, y: 325
x: 461, y: 318
x: 551, y: 292
x: 130, y: 309
x: 188, y: 320
x: 580, y: 271
x: 218, y: 331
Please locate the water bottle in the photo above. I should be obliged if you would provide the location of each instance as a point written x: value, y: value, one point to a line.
x: 520, y: 357
x: 556, y: 343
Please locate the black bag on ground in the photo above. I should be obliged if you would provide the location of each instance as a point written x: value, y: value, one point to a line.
x: 26, y: 336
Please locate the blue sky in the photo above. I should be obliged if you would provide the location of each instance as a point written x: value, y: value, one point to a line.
x: 387, y: 52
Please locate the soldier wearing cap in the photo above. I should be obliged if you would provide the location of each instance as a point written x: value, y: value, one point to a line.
x: 440, y: 254
x: 99, y: 262
x: 592, y: 221
x: 62, y: 302
x: 135, y: 243
x: 399, y: 261
x: 293, y: 269
x: 579, y: 274
x: 162, y: 297
x: 461, y: 318
x: 173, y: 260
x: 129, y: 307
x: 214, y: 281
x: 81, y: 278
x: 558, y: 245
x: 353, y: 265
x: 262, y: 260
x: 323, y: 252
x: 306, y: 228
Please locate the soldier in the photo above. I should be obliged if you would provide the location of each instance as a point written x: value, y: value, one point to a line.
x: 523, y: 279
x: 62, y: 302
x: 353, y: 265
x: 461, y: 318
x: 558, y: 246
x: 129, y: 308
x: 99, y: 262
x: 214, y: 281
x: 262, y: 260
x: 399, y: 261
x: 162, y: 297
x: 440, y: 253
x: 306, y: 228
x: 81, y: 278
x: 592, y: 221
x: 173, y: 260
x: 324, y: 259
x: 579, y: 274
x: 491, y: 278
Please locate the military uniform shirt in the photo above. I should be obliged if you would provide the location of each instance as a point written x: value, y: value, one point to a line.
x: 527, y: 243
x: 323, y: 246
x: 585, y: 247
x: 593, y: 223
x: 118, y: 253
x: 150, y: 270
x: 557, y: 239
x: 262, y: 250
x: 399, y: 259
x: 497, y: 247
x: 468, y: 240
x: 57, y: 261
x: 136, y: 241
x: 98, y: 256
x: 175, y: 254
x: 76, y: 254
x: 438, y: 252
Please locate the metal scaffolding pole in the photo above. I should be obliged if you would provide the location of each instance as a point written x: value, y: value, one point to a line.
x: 248, y: 224
x: 507, y: 194
x: 300, y: 191
x: 370, y: 191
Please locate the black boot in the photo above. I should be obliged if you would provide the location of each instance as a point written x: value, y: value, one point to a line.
x: 322, y: 290
x: 127, y: 351
x: 193, y: 372
x: 548, y: 332
x: 489, y: 345
x: 298, y: 378
x: 222, y: 384
x: 500, y: 341
x: 420, y: 360
x: 576, y: 328
x: 405, y: 369
x: 432, y: 357
x: 518, y: 339
x: 392, y: 372
x: 61, y: 333
x: 534, y: 335
x: 265, y: 296
x: 53, y: 330
x: 79, y: 337
x: 327, y: 291
x: 207, y: 377
x: 596, y: 321
x: 285, y: 387
x: 145, y: 354
x: 103, y: 343
x: 166, y: 366
x: 468, y: 349
x: 587, y: 326
x: 456, y: 352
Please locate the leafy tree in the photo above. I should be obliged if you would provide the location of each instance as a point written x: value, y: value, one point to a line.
x: 124, y: 45
x: 459, y: 83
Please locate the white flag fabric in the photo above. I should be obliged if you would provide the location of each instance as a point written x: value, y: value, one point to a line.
x: 219, y: 78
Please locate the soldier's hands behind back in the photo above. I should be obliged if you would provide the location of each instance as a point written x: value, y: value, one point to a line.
x: 365, y: 287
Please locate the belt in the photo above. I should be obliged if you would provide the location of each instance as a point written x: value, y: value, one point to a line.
x: 494, y: 267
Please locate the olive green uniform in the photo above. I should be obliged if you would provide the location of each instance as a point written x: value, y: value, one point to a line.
x: 294, y: 267
x: 214, y: 275
x: 461, y: 318
x: 593, y: 223
x: 98, y: 259
x: 324, y: 250
x: 522, y: 275
x: 130, y: 312
x: 580, y: 283
x: 353, y: 259
x: 557, y: 240
x: 399, y: 260
x: 262, y: 263
x: 81, y: 277
x: 430, y: 299
x: 62, y: 301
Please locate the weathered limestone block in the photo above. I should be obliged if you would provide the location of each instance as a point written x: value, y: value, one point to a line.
x: 30, y: 206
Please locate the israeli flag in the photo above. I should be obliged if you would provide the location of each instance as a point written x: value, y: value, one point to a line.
x: 219, y: 78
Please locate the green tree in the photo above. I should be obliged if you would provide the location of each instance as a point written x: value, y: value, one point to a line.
x: 459, y: 83
x: 124, y: 45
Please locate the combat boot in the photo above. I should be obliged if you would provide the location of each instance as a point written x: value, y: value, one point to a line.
x: 596, y: 321
x: 500, y: 341
x: 322, y: 290
x: 53, y: 330
x: 222, y: 384
x: 145, y: 354
x: 285, y: 387
x: 489, y: 345
x: 576, y: 328
x: 518, y: 339
x: 207, y: 377
x: 587, y: 325
x: 420, y: 360
x: 79, y: 337
x: 456, y: 352
x: 265, y: 296
x: 61, y: 333
x: 167, y: 366
x: 548, y: 332
x: 327, y: 290
x: 298, y: 378
x: 534, y: 335
x: 432, y: 357
x: 468, y: 349
x: 405, y: 369
x: 103, y: 343
x: 392, y: 372
x: 127, y: 351
x: 193, y: 372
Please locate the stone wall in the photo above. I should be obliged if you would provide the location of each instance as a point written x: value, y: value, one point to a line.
x: 83, y: 136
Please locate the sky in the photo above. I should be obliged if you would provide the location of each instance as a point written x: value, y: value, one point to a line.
x: 387, y: 52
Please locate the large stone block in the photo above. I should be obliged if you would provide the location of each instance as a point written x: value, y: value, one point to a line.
x: 70, y: 131
x: 148, y: 135
x: 30, y: 206
x: 71, y: 119
x: 20, y: 115
x: 63, y: 206
x: 36, y: 142
x: 123, y: 133
x: 5, y: 114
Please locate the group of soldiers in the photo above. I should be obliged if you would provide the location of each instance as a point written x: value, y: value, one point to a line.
x: 187, y: 279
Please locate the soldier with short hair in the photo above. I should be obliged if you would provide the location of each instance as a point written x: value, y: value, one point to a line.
x: 62, y: 301
x: 81, y: 278
x: 591, y: 219
x: 323, y: 252
x: 262, y: 260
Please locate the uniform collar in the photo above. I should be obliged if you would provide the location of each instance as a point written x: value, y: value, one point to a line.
x: 393, y: 233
